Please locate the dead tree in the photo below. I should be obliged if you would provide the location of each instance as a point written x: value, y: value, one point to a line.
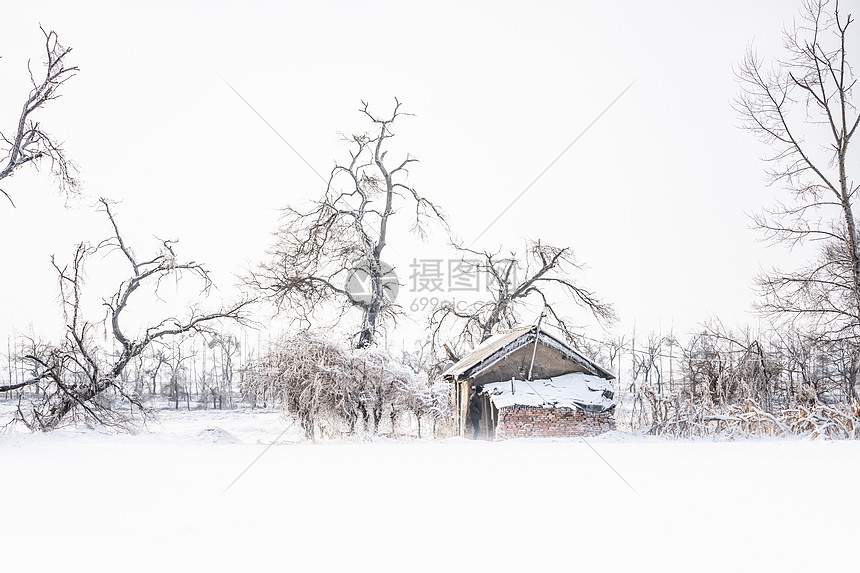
x: 543, y: 274
x: 222, y: 377
x: 175, y: 361
x: 30, y: 144
x: 647, y: 363
x: 331, y: 255
x: 75, y: 373
x: 802, y: 107
x: 157, y: 360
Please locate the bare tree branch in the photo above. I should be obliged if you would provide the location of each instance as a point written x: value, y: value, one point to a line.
x: 543, y: 272
x: 31, y: 144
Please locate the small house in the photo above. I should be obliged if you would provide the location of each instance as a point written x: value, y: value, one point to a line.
x: 534, y: 385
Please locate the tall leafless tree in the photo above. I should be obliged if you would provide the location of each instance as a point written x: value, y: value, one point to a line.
x: 544, y: 274
x: 75, y: 374
x: 29, y: 143
x: 647, y: 366
x: 803, y: 108
x: 331, y: 255
x: 221, y: 387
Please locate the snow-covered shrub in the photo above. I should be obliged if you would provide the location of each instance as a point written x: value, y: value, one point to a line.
x: 337, y: 390
x: 426, y: 402
x: 724, y: 367
x: 776, y: 369
x: 685, y: 417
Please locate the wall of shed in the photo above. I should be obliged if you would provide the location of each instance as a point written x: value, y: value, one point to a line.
x: 536, y: 421
x: 549, y: 362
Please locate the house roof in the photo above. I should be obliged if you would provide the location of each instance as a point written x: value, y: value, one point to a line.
x: 504, y: 342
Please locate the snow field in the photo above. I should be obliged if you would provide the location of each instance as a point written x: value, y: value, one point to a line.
x: 86, y: 500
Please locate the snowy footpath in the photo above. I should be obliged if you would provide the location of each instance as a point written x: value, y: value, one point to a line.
x: 162, y: 500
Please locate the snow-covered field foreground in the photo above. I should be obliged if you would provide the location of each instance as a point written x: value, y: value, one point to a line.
x: 86, y: 500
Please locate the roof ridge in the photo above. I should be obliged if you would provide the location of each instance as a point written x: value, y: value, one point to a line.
x: 481, y: 354
x: 515, y: 329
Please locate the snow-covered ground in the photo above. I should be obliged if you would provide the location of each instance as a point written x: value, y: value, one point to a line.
x: 89, y: 500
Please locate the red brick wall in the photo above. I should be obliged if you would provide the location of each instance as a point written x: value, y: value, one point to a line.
x: 536, y: 421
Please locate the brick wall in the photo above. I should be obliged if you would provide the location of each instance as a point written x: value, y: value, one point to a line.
x: 536, y: 421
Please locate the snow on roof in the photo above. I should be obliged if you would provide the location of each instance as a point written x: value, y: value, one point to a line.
x: 485, y: 350
x: 506, y: 341
x: 575, y: 390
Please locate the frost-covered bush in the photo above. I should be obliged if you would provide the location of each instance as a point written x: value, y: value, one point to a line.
x: 775, y: 369
x: 685, y: 417
x: 334, y: 390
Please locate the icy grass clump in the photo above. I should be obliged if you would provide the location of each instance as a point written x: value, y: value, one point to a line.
x: 217, y: 436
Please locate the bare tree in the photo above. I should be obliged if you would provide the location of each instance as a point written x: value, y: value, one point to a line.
x: 30, y: 144
x: 802, y: 107
x: 158, y: 359
x: 75, y: 373
x: 332, y: 254
x: 647, y: 363
x: 176, y: 360
x: 542, y: 273
x: 222, y: 378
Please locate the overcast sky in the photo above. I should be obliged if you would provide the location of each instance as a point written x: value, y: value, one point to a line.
x: 653, y: 198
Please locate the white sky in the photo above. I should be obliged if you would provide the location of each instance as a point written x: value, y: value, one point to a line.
x: 653, y: 198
